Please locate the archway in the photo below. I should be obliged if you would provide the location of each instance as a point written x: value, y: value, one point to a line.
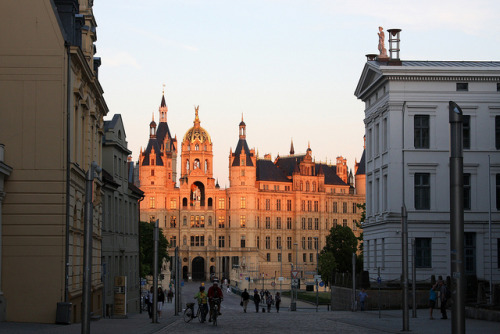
x: 198, y: 269
x: 185, y: 273
x: 197, y: 194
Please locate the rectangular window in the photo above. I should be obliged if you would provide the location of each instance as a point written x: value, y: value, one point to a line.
x: 243, y: 241
x: 498, y: 191
x: 422, y: 191
x: 466, y: 131
x: 498, y: 253
x: 344, y: 207
x: 334, y: 207
x: 335, y: 222
x: 268, y: 223
x: 470, y: 253
x: 303, y: 205
x: 268, y: 257
x: 221, y: 222
x: 197, y: 240
x: 258, y: 242
x: 467, y: 191
x: 421, y: 131
x: 243, y: 203
x: 316, y: 224
x: 288, y: 205
x: 316, y: 206
x: 375, y: 258
x: 304, y: 257
x: 173, y: 204
x: 311, y: 257
x: 303, y: 223
x: 303, y: 242
x: 268, y: 242
x: 290, y: 257
x: 344, y: 222
x: 316, y: 241
x: 173, y: 224
x: 423, y: 252
x: 309, y: 243
x: 221, y: 203
x: 278, y: 223
x: 278, y: 205
x: 279, y: 257
x: 243, y: 221
x: 309, y: 223
x: 268, y: 204
x: 152, y: 202
x: 289, y: 223
x: 384, y: 135
x: 354, y: 207
x: 309, y: 206
x: 462, y: 86
x: 278, y: 242
x: 289, y: 242
x: 221, y: 242
x: 173, y: 241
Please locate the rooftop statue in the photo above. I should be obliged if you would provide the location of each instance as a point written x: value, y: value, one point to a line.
x: 381, y: 46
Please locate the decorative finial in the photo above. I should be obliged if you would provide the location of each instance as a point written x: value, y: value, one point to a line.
x: 163, y: 92
x: 153, y: 117
x: 242, y: 117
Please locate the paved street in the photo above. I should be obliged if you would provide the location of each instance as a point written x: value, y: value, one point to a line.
x: 233, y: 320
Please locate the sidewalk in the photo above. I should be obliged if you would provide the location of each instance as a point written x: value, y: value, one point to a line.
x: 134, y: 324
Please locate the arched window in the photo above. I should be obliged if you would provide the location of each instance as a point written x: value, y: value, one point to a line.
x: 301, y: 185
x: 187, y: 165
x: 314, y: 186
x: 206, y: 166
x: 197, y: 147
x: 196, y: 164
x: 307, y: 186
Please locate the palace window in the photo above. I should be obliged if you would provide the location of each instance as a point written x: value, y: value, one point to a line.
x: 278, y: 223
x: 288, y: 205
x: 173, y: 241
x: 497, y: 132
x: 278, y: 242
x: 334, y: 207
x: 268, y: 242
x: 172, y: 222
x: 258, y: 242
x: 316, y: 241
x: 309, y: 223
x: 221, y: 222
x: 303, y: 242
x: 268, y: 223
x: 289, y: 242
x: 422, y: 191
x: 303, y: 223
x: 316, y: 224
x: 303, y: 205
x: 173, y: 204
x: 344, y: 207
x: 290, y: 257
x: 279, y: 257
x: 309, y: 206
x: 268, y: 204
x: 152, y: 202
x: 243, y: 203
x: 316, y: 206
x: 278, y: 205
x: 197, y: 240
x: 467, y: 191
x: 309, y: 243
x: 242, y: 241
x: 221, y: 241
x: 344, y: 222
x: 268, y: 257
x: 423, y: 252
x: 221, y: 203
x: 421, y: 131
x: 289, y: 223
x: 243, y: 221
x: 466, y: 132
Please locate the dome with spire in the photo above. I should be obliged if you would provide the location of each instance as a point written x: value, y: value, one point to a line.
x: 197, y: 132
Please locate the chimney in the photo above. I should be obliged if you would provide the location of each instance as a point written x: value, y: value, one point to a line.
x: 394, y: 46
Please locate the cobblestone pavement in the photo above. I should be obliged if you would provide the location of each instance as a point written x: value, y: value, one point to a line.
x: 234, y: 320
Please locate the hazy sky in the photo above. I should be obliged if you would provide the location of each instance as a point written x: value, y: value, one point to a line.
x: 290, y: 67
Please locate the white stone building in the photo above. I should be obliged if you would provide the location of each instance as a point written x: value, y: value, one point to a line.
x: 407, y: 162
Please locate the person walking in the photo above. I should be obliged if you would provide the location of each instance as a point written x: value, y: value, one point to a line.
x: 245, y: 297
x: 432, y: 300
x: 443, y: 293
x: 256, y: 300
x: 277, y: 301
x: 149, y: 299
x: 202, y: 298
x: 269, y: 301
x: 161, y: 300
x: 362, y: 298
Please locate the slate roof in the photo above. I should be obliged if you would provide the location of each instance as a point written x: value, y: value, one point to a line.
x: 331, y: 176
x: 268, y: 171
x: 163, y: 132
x: 153, y: 143
x: 361, y: 169
x: 242, y: 146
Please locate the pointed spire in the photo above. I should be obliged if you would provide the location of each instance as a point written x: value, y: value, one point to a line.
x: 292, y: 150
x: 163, y: 107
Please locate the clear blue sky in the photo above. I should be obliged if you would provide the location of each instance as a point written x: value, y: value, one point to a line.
x: 290, y: 67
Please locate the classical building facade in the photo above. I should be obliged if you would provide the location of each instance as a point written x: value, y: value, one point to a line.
x: 51, y: 112
x: 273, y: 213
x: 120, y: 223
x: 407, y: 163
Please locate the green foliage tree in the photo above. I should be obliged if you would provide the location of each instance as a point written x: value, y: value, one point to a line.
x: 358, y: 224
x: 337, y: 253
x: 326, y: 266
x: 146, y: 248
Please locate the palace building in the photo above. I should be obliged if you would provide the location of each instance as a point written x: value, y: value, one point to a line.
x: 273, y: 212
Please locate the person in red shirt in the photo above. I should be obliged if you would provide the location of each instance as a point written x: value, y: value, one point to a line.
x: 215, y: 296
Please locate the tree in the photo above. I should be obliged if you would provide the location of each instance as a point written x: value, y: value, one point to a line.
x: 358, y: 225
x: 326, y: 266
x: 340, y: 244
x: 146, y: 248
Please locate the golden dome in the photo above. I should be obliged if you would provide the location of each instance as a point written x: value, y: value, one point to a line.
x: 197, y: 132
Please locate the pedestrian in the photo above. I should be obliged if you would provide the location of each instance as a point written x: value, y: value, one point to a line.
x: 432, y: 299
x: 228, y: 288
x: 443, y: 293
x: 170, y: 295
x: 202, y: 298
x: 269, y: 301
x: 149, y: 298
x: 277, y: 301
x: 262, y: 296
x: 245, y: 297
x: 161, y: 300
x: 362, y: 298
x: 256, y: 300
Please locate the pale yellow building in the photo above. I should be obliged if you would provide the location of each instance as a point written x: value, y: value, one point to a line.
x: 51, y: 123
x: 270, y: 215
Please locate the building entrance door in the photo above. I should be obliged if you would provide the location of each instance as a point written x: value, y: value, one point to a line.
x: 198, y: 270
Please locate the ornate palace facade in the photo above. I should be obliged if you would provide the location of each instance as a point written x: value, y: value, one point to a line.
x: 273, y: 212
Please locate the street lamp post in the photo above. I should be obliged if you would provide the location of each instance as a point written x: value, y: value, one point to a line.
x: 296, y: 244
x: 281, y: 269
x: 317, y: 272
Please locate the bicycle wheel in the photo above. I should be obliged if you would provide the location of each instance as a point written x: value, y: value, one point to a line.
x: 188, y: 315
x: 215, y: 316
x: 199, y: 314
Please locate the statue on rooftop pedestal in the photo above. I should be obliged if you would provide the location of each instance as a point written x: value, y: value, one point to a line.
x: 381, y: 46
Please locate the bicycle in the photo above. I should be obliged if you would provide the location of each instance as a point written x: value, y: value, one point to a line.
x: 189, y: 313
x: 214, y: 310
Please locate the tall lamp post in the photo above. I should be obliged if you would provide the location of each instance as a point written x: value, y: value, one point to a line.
x: 281, y: 269
x: 296, y: 244
x: 316, y: 241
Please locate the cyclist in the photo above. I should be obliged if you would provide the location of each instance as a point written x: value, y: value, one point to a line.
x: 214, y: 292
x: 201, y: 296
